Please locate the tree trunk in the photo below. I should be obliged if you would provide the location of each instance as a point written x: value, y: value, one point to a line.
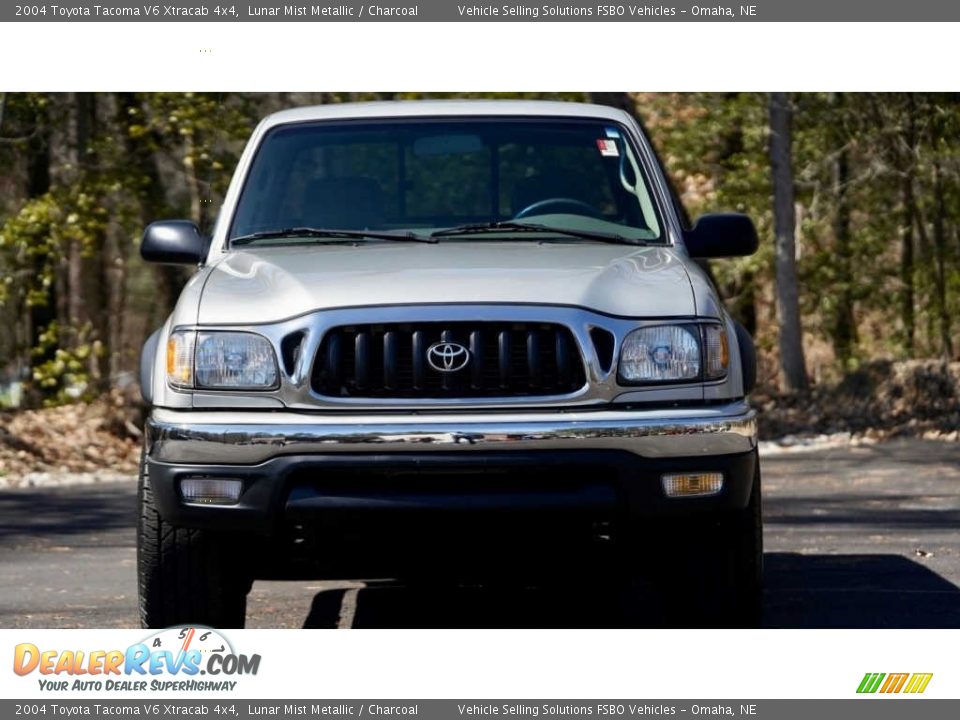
x: 940, y: 251
x: 93, y: 289
x: 76, y: 303
x: 114, y: 264
x: 906, y: 265
x: 38, y: 317
x: 794, y: 372
x: 844, y: 326
x: 908, y: 213
x: 193, y: 182
x: 38, y: 155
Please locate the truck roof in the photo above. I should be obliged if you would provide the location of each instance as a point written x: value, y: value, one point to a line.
x: 444, y: 108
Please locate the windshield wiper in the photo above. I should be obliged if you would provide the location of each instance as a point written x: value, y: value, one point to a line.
x: 310, y: 232
x: 513, y: 226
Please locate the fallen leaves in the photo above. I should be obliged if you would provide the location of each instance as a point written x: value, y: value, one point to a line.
x: 81, y: 438
x: 883, y: 399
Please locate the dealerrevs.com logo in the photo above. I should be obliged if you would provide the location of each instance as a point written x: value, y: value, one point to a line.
x: 891, y: 683
x: 177, y: 659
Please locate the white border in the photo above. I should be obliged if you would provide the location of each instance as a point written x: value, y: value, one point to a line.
x: 546, y: 664
x: 557, y: 56
x: 515, y: 56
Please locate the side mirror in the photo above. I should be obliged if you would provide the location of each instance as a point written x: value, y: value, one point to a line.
x: 720, y: 235
x: 174, y: 242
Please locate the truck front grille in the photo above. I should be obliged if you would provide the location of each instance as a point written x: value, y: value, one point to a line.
x: 448, y: 360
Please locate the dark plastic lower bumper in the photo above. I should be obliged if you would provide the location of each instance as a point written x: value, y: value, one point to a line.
x: 306, y: 488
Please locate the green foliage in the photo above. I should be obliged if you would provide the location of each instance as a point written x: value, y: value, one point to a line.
x: 33, y: 246
x: 63, y: 375
x: 36, y: 240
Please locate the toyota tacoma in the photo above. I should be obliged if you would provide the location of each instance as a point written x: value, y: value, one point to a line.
x: 431, y: 339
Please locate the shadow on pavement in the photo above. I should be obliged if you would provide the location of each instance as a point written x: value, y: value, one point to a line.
x: 857, y: 591
x: 802, y: 591
x: 890, y: 512
x: 62, y: 512
x: 394, y: 606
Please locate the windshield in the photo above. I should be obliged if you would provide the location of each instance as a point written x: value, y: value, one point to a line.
x: 422, y: 176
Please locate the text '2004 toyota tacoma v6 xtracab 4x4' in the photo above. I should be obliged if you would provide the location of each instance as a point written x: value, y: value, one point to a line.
x: 433, y: 338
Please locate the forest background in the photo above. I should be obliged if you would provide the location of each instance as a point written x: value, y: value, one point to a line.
x: 852, y: 298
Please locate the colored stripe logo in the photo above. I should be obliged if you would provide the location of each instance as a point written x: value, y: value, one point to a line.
x: 913, y: 683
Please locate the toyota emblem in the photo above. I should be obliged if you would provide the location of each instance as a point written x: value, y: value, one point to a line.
x: 447, y: 357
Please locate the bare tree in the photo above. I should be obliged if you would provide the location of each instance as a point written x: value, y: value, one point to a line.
x: 909, y: 212
x: 794, y: 371
x: 843, y: 324
x: 940, y: 249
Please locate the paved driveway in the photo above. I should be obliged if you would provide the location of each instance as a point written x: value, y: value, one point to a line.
x: 856, y: 537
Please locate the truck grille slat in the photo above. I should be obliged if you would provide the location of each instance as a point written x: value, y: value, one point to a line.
x: 562, y: 354
x: 533, y: 357
x: 476, y: 353
x: 390, y: 360
x: 486, y: 359
x: 503, y: 358
x: 361, y: 345
x: 332, y: 357
x: 418, y: 359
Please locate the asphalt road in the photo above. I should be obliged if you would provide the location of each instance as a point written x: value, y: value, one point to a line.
x: 855, y: 537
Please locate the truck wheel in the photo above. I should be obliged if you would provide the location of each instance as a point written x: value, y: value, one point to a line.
x: 708, y: 574
x: 186, y: 576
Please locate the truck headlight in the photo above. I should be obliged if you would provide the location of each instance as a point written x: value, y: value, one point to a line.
x: 672, y: 353
x: 661, y: 353
x: 221, y: 361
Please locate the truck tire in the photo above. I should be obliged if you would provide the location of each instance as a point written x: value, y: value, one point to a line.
x: 186, y: 576
x: 705, y: 573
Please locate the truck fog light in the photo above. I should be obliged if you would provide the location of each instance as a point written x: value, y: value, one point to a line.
x: 699, y: 484
x: 210, y: 491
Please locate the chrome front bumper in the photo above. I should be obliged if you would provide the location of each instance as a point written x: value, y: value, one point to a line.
x: 249, y: 438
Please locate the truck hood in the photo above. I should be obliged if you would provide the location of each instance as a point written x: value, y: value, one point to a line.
x: 261, y: 285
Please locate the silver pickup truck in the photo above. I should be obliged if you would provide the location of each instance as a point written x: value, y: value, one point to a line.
x: 449, y: 339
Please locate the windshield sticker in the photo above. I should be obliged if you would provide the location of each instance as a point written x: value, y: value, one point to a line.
x: 608, y: 148
x: 613, y: 133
